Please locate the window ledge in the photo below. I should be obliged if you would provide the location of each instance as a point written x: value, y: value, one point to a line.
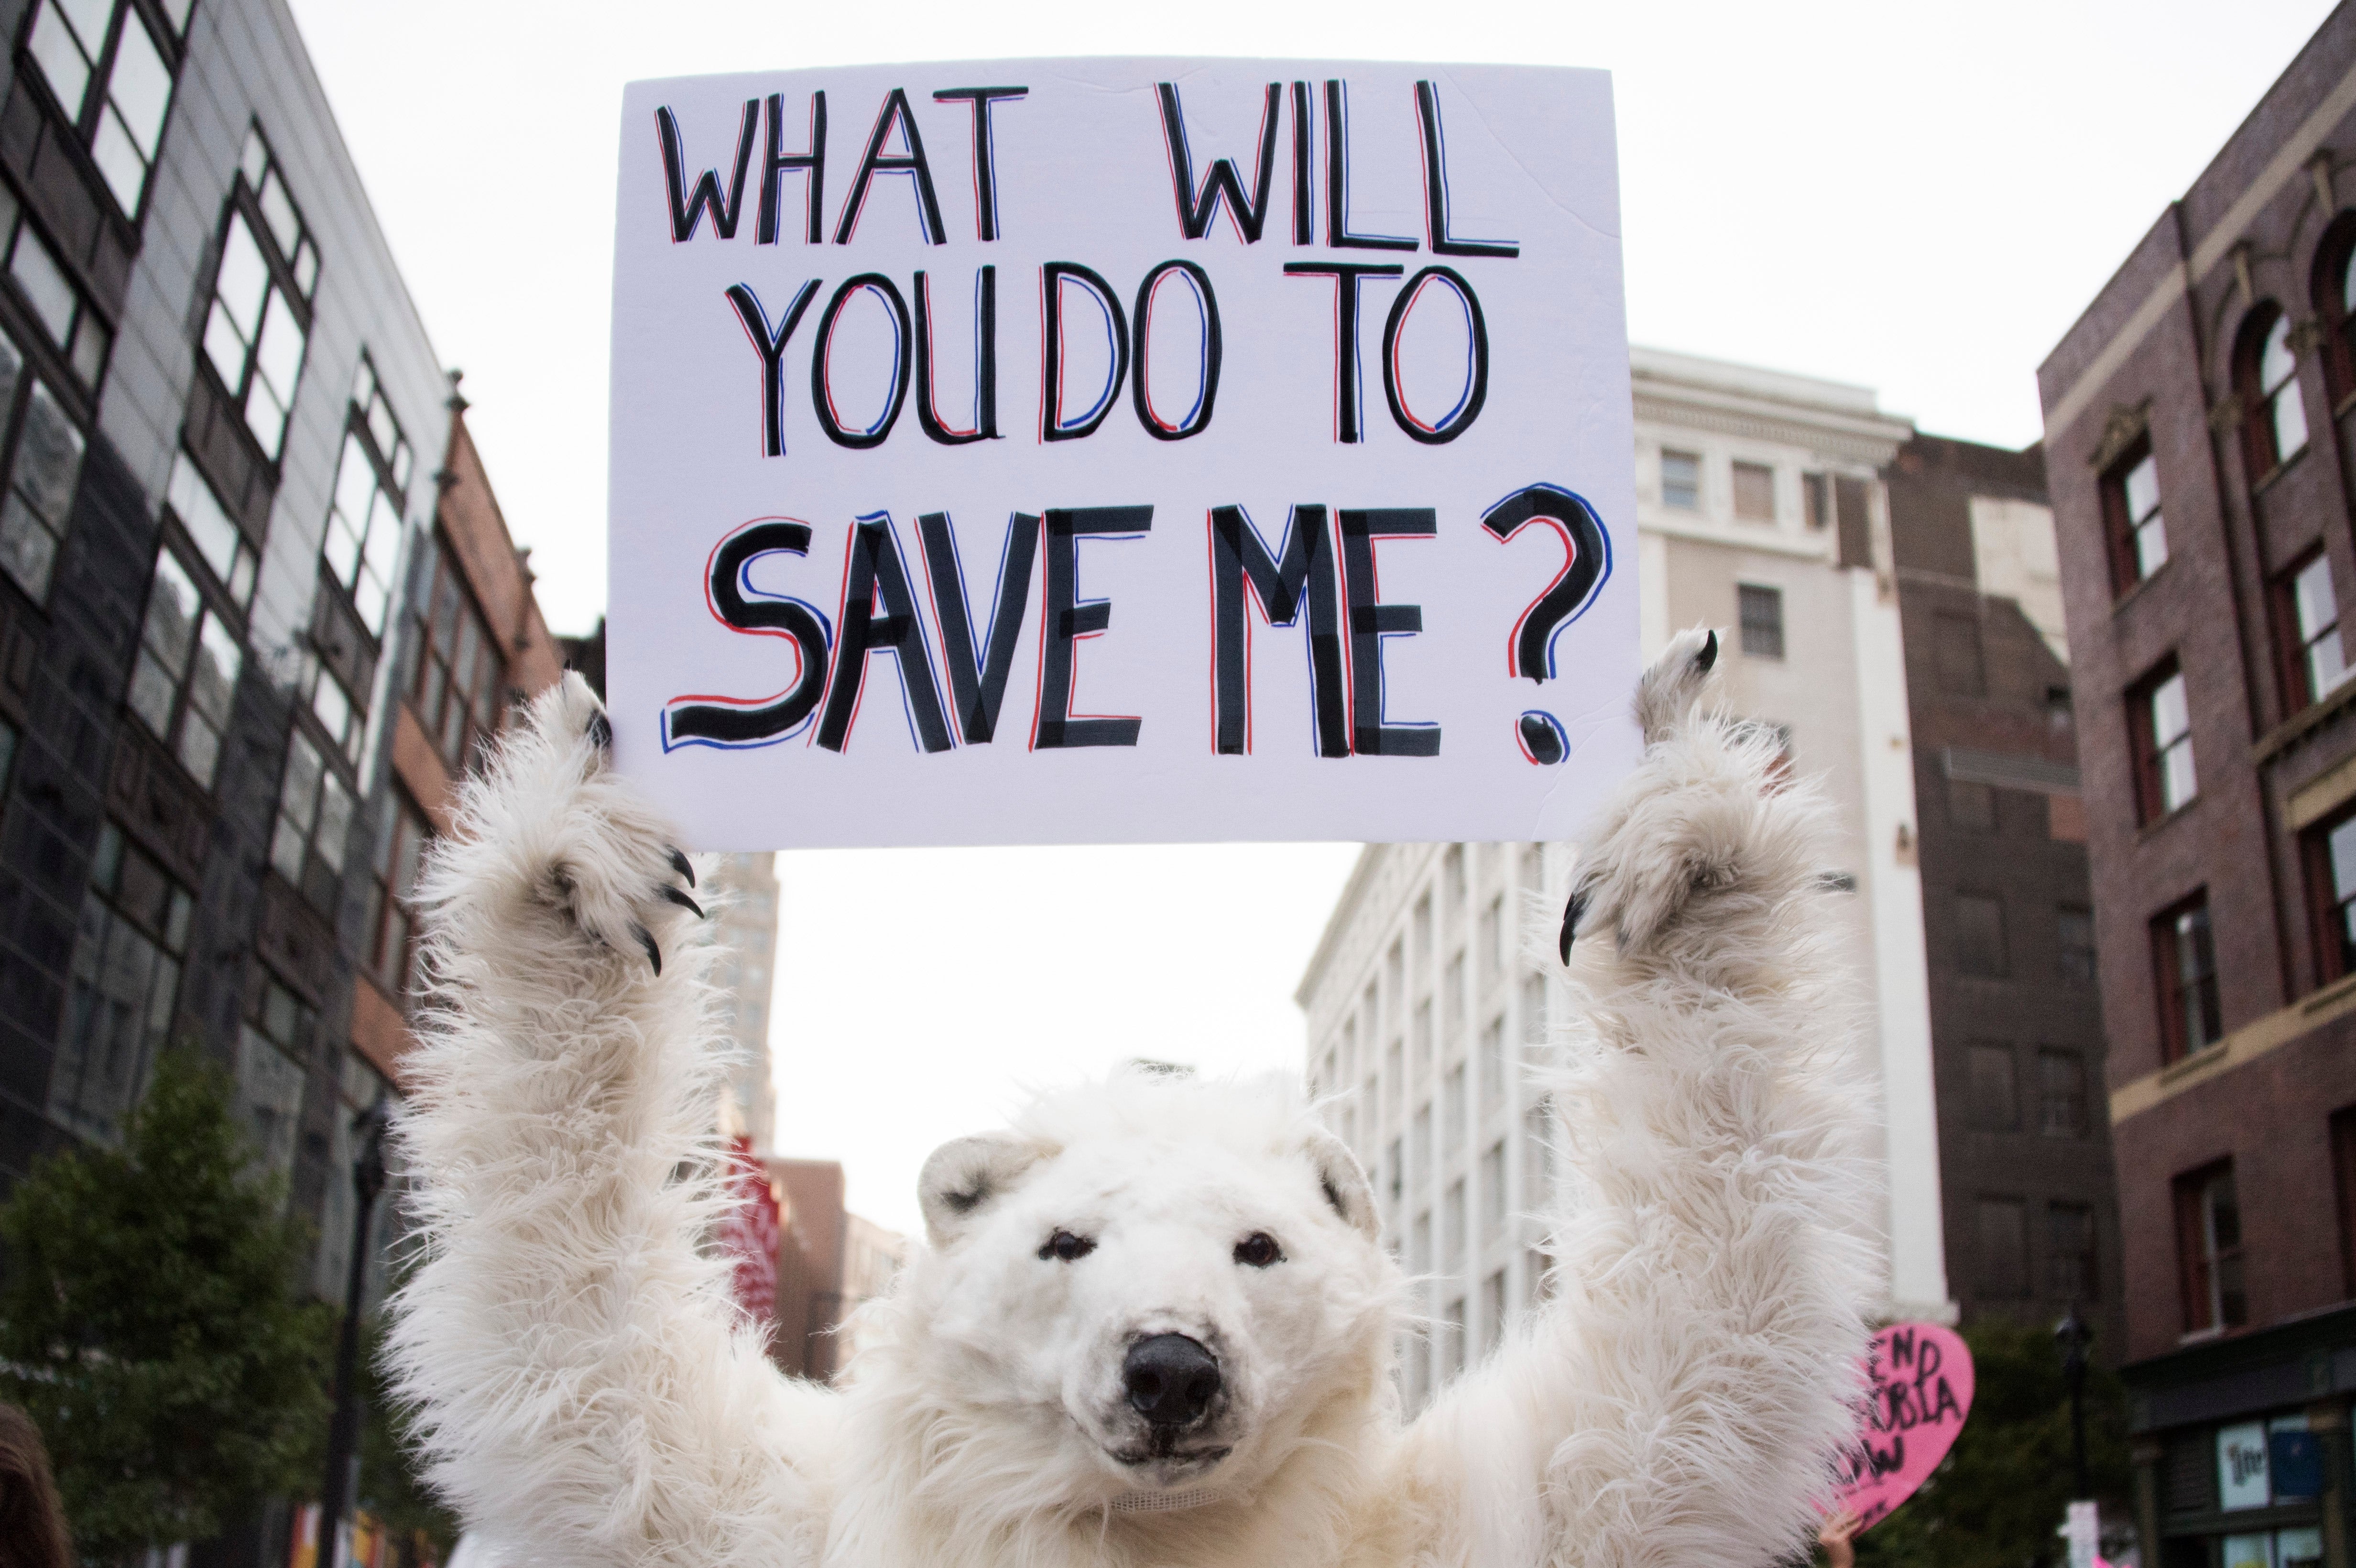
x: 2266, y: 481
x: 2185, y: 1067
x: 2339, y: 408
x: 2326, y: 995
x: 2135, y: 589
x: 2158, y: 825
x: 2302, y: 723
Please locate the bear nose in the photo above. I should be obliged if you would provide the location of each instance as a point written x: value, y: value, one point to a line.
x: 1171, y: 1379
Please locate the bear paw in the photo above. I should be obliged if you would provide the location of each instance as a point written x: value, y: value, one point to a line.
x: 1685, y: 825
x: 594, y: 849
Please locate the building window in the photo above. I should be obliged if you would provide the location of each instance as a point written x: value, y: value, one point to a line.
x: 2266, y: 379
x: 271, y: 1050
x: 8, y: 754
x: 2060, y: 1094
x: 2004, y: 1248
x: 1816, y: 499
x: 1538, y: 1158
x: 2074, y: 944
x: 1761, y: 619
x: 1755, y: 492
x: 400, y: 837
x: 1971, y: 807
x: 110, y: 74
x: 2331, y: 893
x: 2069, y: 1252
x: 2160, y: 720
x: 186, y: 675
x: 1534, y: 1018
x: 2343, y: 1184
x: 52, y: 298
x: 2209, y: 1249
x: 1980, y: 936
x: 1681, y: 480
x: 1493, y: 1311
x: 460, y: 673
x: 1956, y: 655
x: 119, y: 997
x: 1994, y: 1101
x: 1453, y: 1112
x: 44, y: 470
x: 2186, y: 961
x: 2137, y: 532
x: 364, y: 530
x: 1451, y: 1229
x: 1493, y: 1064
x: 314, y: 817
x: 1420, y: 1145
x: 1493, y: 1192
x: 260, y: 314
x: 2307, y: 622
x: 219, y: 541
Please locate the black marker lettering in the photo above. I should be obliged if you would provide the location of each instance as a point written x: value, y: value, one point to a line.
x: 1067, y: 621
x: 1347, y: 414
x: 1304, y: 141
x: 1239, y: 556
x: 895, y: 111
x: 977, y: 684
x: 1371, y: 622
x: 1197, y: 419
x: 770, y: 344
x: 875, y: 569
x: 726, y: 722
x: 1052, y: 426
x: 1337, y: 180
x: 1458, y: 420
x: 985, y: 363
x: 687, y: 209
x: 985, y: 150
x: 1435, y: 186
x: 1587, y: 561
x: 1196, y: 209
x: 781, y: 163
x: 822, y: 395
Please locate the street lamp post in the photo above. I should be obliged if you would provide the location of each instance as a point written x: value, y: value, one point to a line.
x: 2073, y: 1333
x: 344, y: 1427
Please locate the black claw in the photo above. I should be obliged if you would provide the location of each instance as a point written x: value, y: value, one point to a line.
x: 684, y: 866
x: 601, y: 734
x: 1572, y: 912
x: 1705, y: 659
x: 684, y: 902
x: 646, y: 940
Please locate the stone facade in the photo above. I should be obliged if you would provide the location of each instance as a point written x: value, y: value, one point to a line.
x: 2220, y: 352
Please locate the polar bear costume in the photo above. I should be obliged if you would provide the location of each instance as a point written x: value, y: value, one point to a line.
x: 1154, y: 1327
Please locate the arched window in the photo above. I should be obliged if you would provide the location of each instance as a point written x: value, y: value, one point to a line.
x: 2335, y: 304
x: 2266, y: 376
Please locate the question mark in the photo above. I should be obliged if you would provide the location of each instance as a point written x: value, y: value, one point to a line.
x: 1587, y: 564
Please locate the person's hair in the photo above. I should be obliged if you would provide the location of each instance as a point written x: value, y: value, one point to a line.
x: 32, y: 1523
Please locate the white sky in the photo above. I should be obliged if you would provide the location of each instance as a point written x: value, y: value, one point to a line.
x: 1917, y: 197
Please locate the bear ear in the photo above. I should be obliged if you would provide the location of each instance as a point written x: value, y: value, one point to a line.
x: 1345, y: 1182
x: 965, y: 1174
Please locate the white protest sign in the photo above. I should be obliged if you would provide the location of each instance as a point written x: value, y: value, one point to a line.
x: 1121, y: 450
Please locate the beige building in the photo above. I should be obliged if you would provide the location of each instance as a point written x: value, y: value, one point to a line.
x: 1758, y: 511
x: 872, y: 1259
x: 746, y: 909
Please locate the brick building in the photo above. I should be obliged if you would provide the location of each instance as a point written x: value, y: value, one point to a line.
x: 2025, y: 1175
x: 257, y: 603
x: 2199, y: 452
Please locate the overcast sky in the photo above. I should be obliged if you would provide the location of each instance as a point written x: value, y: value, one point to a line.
x: 1916, y: 197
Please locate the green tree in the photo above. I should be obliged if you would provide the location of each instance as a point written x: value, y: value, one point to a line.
x: 150, y: 1323
x: 390, y: 1487
x: 1998, y: 1497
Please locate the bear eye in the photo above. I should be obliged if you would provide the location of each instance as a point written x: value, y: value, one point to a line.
x: 1259, y: 1249
x: 1068, y: 1247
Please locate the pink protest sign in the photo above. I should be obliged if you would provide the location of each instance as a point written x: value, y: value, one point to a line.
x: 1918, y: 1389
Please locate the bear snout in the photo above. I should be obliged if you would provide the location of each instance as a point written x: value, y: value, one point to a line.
x: 1170, y: 1381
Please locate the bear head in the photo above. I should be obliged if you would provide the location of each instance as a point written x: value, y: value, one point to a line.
x: 1146, y: 1288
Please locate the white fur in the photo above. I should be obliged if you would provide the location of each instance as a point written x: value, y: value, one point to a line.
x: 588, y: 1401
